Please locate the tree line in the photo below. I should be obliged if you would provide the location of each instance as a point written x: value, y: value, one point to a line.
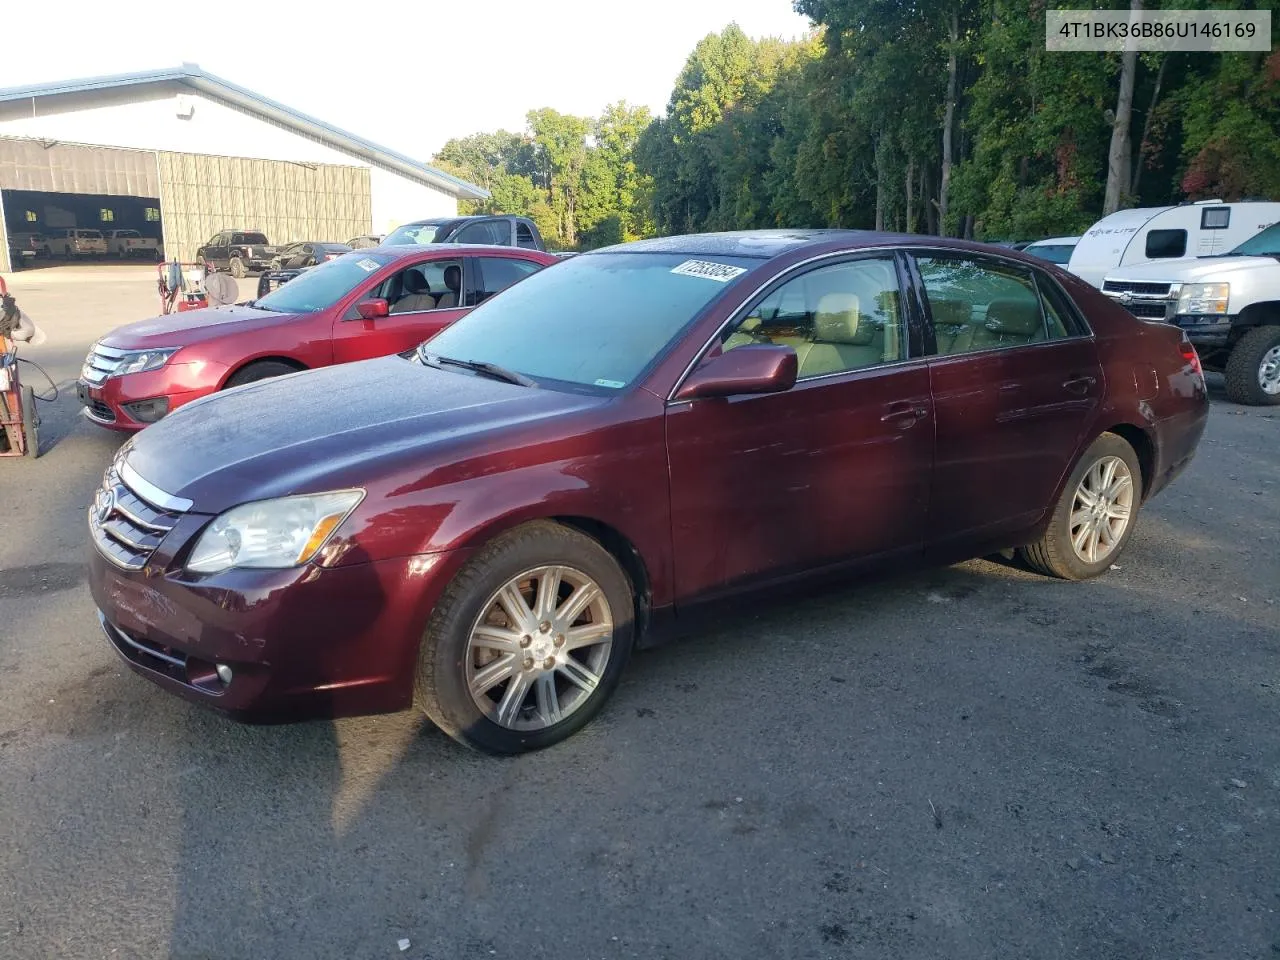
x: 932, y: 116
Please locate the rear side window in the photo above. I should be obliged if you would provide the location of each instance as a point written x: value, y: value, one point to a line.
x: 1162, y: 244
x: 524, y: 237
x: 498, y: 273
x: 984, y: 305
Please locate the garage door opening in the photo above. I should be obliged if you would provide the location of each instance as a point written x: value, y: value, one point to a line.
x: 47, y: 229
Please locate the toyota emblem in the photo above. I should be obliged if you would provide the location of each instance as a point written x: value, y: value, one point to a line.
x: 104, y: 503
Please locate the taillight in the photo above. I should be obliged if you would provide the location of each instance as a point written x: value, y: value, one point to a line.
x: 1190, y: 356
x: 328, y: 256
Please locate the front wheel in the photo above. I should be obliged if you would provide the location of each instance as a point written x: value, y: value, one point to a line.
x: 261, y: 370
x: 527, y: 642
x: 1253, y: 368
x: 1093, y: 518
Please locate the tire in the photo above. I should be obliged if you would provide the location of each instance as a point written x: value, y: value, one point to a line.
x: 237, y: 268
x: 261, y: 370
x: 1245, y: 368
x: 1055, y: 554
x: 447, y: 665
x: 30, y: 422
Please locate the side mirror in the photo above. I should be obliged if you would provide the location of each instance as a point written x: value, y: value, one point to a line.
x: 373, y: 309
x: 754, y: 368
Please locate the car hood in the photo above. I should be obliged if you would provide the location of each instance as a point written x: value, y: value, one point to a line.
x: 1192, y: 269
x: 191, y: 327
x: 336, y: 427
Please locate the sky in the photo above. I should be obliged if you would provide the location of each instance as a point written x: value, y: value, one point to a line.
x: 406, y: 75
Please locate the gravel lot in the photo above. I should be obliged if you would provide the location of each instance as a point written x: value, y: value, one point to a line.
x: 971, y: 762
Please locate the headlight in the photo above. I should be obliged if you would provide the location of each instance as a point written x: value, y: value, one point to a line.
x: 274, y: 534
x: 1204, y: 298
x: 140, y: 361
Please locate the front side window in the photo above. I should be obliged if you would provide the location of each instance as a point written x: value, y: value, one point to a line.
x: 434, y: 285
x: 983, y: 305
x: 595, y: 322
x: 486, y: 232
x: 837, y: 318
x: 1163, y: 244
x: 496, y: 274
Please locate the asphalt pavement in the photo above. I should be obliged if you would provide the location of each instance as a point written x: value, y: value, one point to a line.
x: 970, y: 762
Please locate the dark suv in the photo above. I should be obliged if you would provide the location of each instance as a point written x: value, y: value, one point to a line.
x: 500, y: 231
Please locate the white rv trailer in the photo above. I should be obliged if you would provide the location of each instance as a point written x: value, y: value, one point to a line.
x: 1146, y: 234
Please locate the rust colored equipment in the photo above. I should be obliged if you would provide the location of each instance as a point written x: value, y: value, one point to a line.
x: 19, y: 422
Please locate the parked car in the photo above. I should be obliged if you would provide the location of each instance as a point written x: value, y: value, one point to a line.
x: 502, y: 231
x: 1131, y: 237
x: 364, y: 304
x: 488, y: 528
x: 307, y: 253
x: 24, y: 248
x: 237, y: 251
x: 1228, y: 305
x: 131, y: 243
x: 74, y: 242
x: 1055, y: 249
x: 365, y: 241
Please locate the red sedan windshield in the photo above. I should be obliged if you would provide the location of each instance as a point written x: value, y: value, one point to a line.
x: 322, y: 286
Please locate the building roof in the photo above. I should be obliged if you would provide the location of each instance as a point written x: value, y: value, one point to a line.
x: 92, y: 91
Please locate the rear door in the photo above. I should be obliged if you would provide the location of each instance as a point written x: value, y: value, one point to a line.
x: 414, y: 316
x: 1016, y: 383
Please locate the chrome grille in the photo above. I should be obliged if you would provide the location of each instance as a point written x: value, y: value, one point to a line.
x: 1141, y: 289
x: 126, y: 527
x: 101, y: 364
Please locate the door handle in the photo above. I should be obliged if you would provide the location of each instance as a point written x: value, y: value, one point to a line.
x: 1080, y: 385
x: 905, y: 410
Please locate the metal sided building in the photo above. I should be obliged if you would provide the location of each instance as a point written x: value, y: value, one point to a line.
x: 181, y: 154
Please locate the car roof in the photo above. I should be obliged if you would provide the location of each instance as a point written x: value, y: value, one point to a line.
x: 767, y: 244
x: 406, y: 251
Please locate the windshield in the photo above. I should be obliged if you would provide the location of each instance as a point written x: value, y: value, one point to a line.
x: 322, y: 286
x: 127, y: 233
x: 596, y: 320
x: 1053, y: 252
x: 412, y: 233
x: 91, y: 234
x: 1264, y: 244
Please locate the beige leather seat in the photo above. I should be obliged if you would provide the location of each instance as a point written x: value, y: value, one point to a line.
x: 951, y: 327
x: 453, y: 283
x: 843, y: 339
x: 1009, y: 323
x: 417, y: 294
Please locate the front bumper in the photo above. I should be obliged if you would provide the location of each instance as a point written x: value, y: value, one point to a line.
x: 301, y: 643
x: 107, y: 403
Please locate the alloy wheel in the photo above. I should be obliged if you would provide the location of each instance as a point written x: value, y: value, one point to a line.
x: 539, y: 648
x: 1269, y: 371
x: 1101, y: 509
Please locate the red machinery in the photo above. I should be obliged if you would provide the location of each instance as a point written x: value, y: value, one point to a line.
x: 181, y: 286
x: 19, y: 422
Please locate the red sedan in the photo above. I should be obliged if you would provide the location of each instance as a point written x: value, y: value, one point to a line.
x: 367, y: 304
x: 491, y: 526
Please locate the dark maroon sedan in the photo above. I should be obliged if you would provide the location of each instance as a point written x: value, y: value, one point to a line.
x: 490, y: 527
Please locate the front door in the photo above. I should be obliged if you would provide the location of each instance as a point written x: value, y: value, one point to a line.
x: 1016, y: 381
x: 835, y: 469
x: 423, y: 298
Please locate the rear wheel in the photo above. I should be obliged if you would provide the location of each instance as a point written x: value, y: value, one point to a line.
x: 1094, y: 517
x: 261, y: 370
x: 237, y: 268
x: 30, y: 422
x: 528, y: 641
x: 1253, y: 369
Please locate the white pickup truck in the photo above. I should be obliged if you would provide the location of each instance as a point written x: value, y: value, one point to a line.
x: 1228, y: 304
x: 130, y: 243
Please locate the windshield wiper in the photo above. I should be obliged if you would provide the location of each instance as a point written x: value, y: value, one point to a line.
x: 483, y: 367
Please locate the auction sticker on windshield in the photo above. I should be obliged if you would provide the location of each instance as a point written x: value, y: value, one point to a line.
x: 720, y: 272
x: 367, y: 265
